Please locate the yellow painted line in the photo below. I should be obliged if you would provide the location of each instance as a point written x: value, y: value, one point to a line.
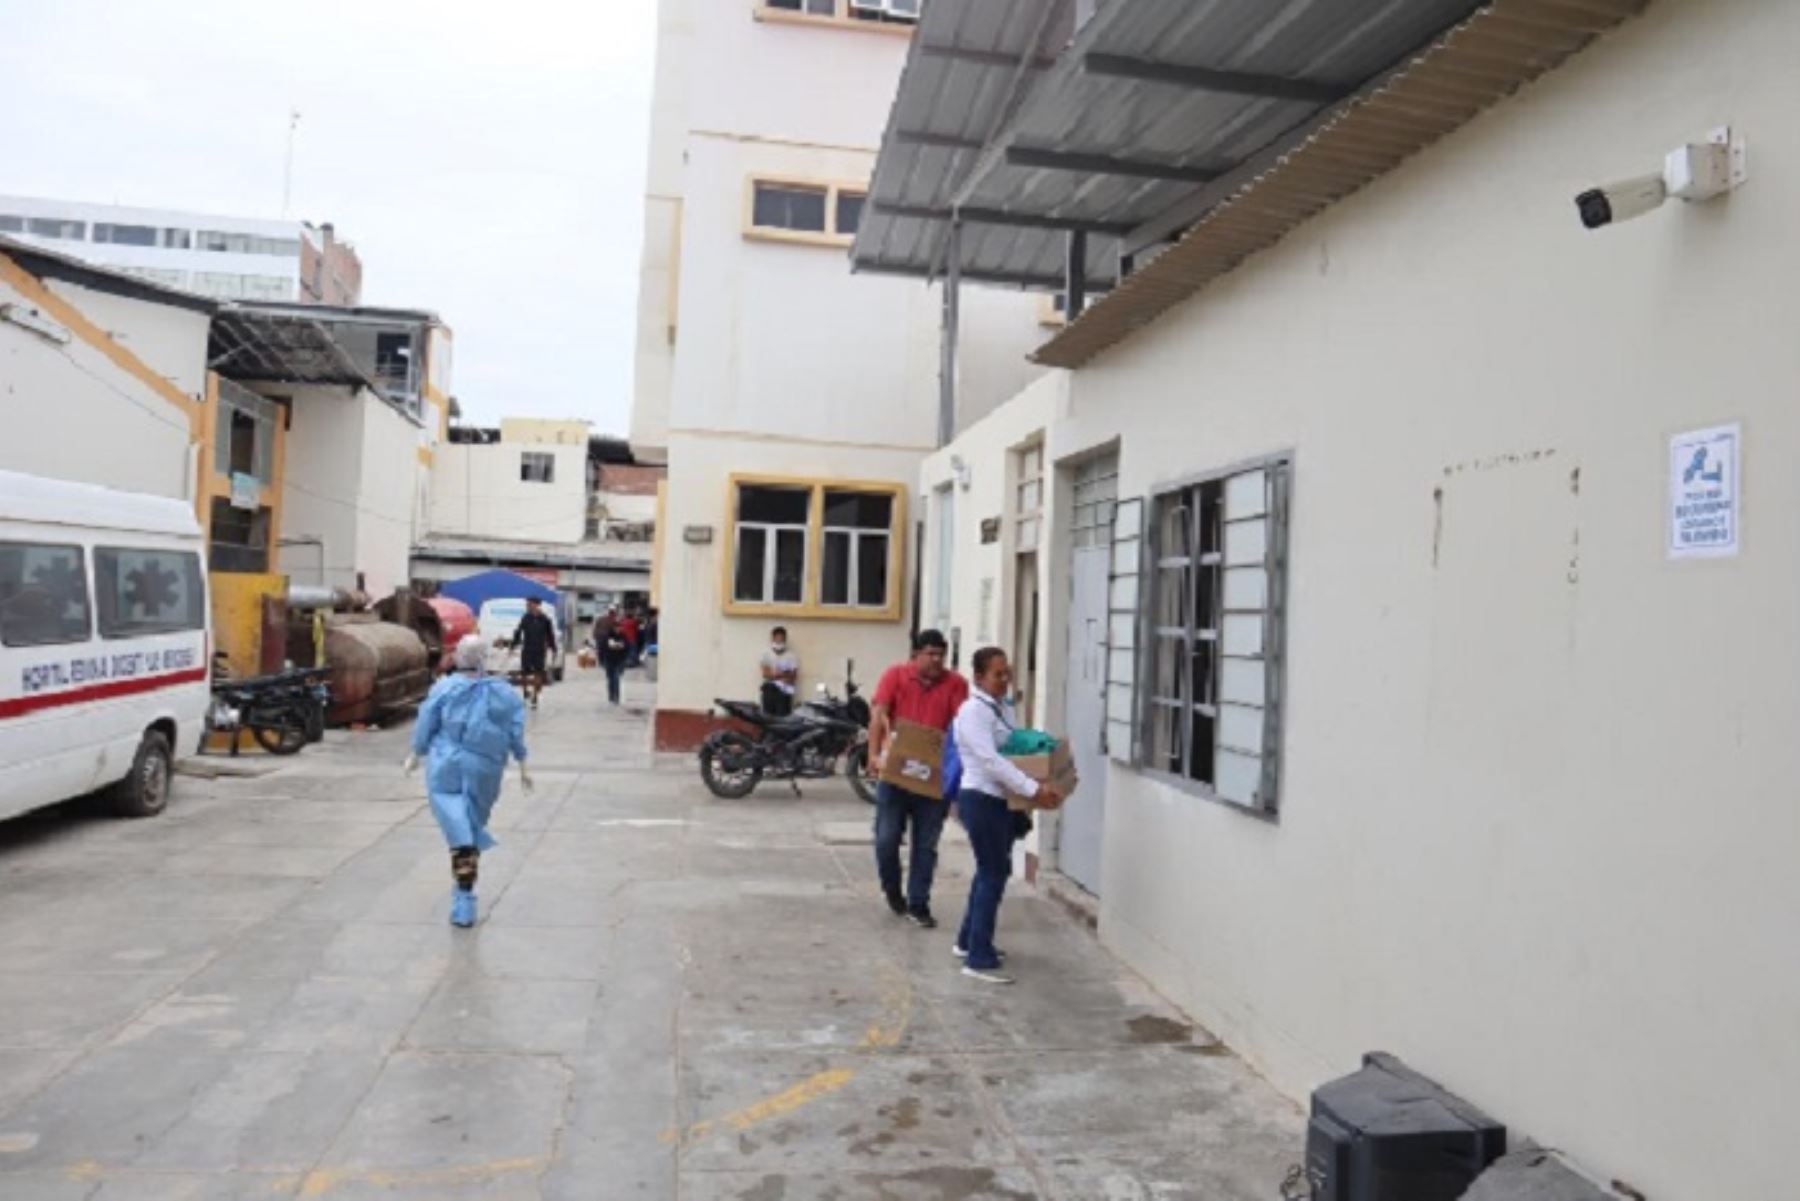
x: 324, y: 1181
x: 886, y: 1031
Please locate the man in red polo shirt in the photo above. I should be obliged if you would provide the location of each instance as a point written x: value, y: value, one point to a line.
x: 919, y: 690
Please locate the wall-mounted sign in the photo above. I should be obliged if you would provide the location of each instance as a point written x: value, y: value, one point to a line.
x: 1704, y: 493
x: 698, y: 535
x: 246, y: 493
x: 990, y: 530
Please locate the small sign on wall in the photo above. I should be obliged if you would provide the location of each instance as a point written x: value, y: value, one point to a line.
x: 246, y: 493
x: 1704, y: 493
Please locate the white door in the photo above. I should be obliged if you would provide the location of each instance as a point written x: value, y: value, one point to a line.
x: 1082, y: 820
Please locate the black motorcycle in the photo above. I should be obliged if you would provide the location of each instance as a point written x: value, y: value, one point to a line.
x: 852, y: 708
x: 804, y: 746
x: 284, y: 712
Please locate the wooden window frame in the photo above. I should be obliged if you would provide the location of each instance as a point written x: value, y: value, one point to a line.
x: 839, y: 18
x: 801, y: 237
x: 812, y: 581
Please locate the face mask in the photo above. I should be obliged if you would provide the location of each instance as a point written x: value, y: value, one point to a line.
x: 779, y: 648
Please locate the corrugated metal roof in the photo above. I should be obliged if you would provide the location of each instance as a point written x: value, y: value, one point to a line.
x: 283, y: 347
x: 1113, y: 132
x: 1472, y: 66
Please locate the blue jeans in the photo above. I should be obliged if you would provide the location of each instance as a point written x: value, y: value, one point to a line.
x: 893, y: 808
x: 990, y: 826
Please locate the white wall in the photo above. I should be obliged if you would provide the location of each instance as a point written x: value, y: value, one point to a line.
x: 72, y: 414
x: 706, y: 654
x: 390, y: 479
x: 476, y: 492
x: 352, y: 478
x: 320, y: 486
x: 1538, y: 831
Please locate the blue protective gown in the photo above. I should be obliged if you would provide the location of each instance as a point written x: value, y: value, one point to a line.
x: 466, y: 728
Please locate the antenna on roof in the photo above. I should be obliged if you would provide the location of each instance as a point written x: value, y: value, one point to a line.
x: 287, y: 171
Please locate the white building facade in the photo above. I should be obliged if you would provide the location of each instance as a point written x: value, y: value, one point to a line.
x: 792, y: 402
x: 1382, y: 566
x: 226, y: 258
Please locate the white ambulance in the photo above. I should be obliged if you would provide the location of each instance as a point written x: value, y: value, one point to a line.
x: 104, y: 643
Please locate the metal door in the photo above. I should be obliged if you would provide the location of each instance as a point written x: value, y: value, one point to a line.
x: 1082, y: 820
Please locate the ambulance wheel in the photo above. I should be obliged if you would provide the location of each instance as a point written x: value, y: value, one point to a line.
x: 145, y: 792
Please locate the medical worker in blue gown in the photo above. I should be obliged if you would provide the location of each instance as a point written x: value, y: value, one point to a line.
x: 467, y: 726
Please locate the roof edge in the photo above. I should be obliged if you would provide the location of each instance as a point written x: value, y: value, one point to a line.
x: 48, y: 264
x: 1468, y: 69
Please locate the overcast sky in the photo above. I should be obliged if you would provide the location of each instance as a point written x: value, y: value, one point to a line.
x: 487, y: 159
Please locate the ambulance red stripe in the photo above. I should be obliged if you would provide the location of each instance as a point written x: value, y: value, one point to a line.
x: 20, y: 706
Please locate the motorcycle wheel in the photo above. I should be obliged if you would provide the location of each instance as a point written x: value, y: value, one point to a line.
x: 856, y: 767
x: 287, y: 738
x: 728, y: 765
x: 315, y: 724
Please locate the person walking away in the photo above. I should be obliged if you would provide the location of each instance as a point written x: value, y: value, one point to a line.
x: 982, y: 726
x: 538, y: 637
x: 628, y: 626
x: 468, y: 726
x: 919, y: 690
x: 613, y: 652
x: 780, y: 674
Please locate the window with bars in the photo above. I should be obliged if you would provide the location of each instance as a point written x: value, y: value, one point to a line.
x: 245, y: 442
x: 537, y: 467
x: 1028, y: 499
x: 1214, y: 632
x: 1095, y: 492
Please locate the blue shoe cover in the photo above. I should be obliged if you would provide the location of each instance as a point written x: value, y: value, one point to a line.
x: 462, y: 908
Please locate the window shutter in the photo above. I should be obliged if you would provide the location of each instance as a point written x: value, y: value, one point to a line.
x: 1122, y: 741
x: 1249, y: 730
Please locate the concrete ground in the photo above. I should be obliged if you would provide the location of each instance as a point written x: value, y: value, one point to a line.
x: 257, y: 996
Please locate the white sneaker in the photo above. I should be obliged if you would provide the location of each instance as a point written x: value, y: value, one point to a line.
x: 988, y: 974
x: 963, y: 953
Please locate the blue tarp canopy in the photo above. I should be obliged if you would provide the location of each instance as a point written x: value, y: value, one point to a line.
x: 498, y: 584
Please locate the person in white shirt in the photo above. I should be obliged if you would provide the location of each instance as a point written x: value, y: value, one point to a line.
x: 780, y: 673
x: 981, y: 728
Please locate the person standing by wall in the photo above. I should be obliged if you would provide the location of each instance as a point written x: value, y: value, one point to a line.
x: 982, y: 726
x: 780, y: 674
x: 918, y: 690
x: 468, y: 726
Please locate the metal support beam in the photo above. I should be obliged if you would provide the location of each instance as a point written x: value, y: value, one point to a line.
x: 1235, y: 83
x: 1037, y: 282
x: 1075, y: 285
x: 918, y: 137
x: 973, y: 216
x: 946, y: 426
x: 1105, y: 164
x: 984, y: 58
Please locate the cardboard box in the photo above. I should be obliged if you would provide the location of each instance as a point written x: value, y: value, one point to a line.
x: 1056, y: 769
x: 915, y: 760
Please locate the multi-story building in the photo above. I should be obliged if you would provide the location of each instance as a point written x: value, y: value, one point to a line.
x: 226, y: 258
x: 544, y: 498
x: 792, y: 402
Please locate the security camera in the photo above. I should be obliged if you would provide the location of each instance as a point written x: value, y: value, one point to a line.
x: 1695, y: 171
x: 1621, y: 201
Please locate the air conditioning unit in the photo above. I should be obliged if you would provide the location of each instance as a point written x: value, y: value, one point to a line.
x: 904, y: 10
x: 1387, y: 1133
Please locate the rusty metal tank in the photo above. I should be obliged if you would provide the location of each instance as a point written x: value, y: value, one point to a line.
x: 438, y: 621
x: 377, y: 667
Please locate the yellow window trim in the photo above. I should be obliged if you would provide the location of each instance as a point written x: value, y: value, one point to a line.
x: 809, y: 606
x: 801, y: 237
x: 840, y: 19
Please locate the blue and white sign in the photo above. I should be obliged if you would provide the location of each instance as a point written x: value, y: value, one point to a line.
x: 1703, y: 493
x: 246, y: 492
